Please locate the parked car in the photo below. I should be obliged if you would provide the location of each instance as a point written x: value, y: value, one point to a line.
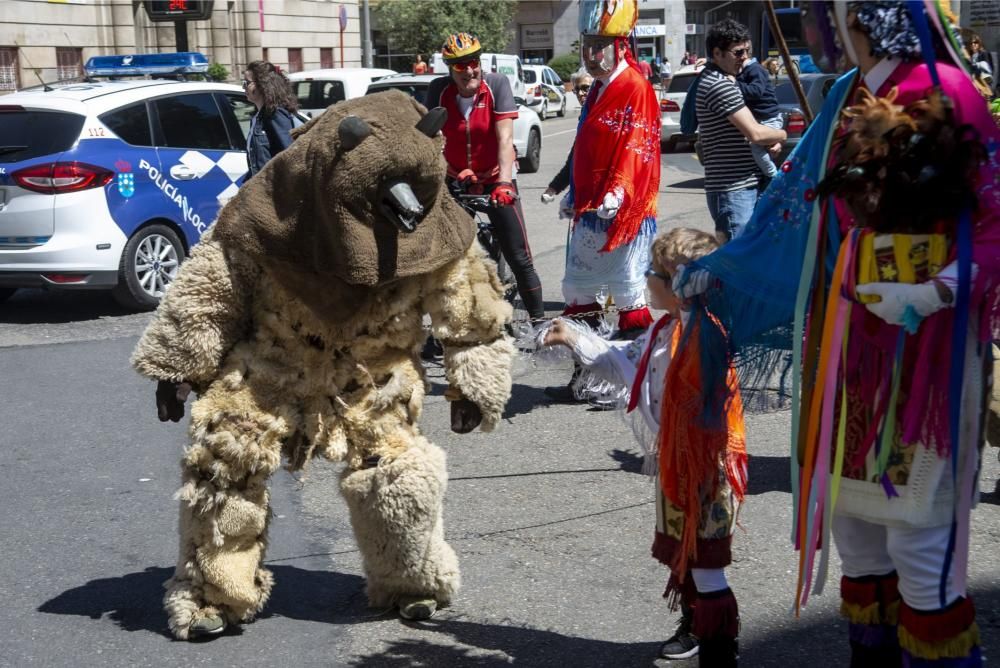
x: 504, y: 63
x: 318, y: 89
x: 671, y: 103
x: 815, y: 86
x: 527, y: 126
x: 544, y: 91
x: 108, y: 184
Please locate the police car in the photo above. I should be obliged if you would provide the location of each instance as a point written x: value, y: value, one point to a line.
x: 107, y: 184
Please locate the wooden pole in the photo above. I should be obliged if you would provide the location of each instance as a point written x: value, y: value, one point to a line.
x: 793, y: 72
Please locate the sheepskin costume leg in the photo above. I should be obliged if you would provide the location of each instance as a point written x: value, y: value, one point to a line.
x: 396, y: 513
x: 224, y: 510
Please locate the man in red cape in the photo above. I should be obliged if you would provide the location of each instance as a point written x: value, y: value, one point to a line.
x: 615, y: 174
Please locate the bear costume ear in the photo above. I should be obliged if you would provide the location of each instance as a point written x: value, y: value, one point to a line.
x: 433, y: 121
x: 352, y: 131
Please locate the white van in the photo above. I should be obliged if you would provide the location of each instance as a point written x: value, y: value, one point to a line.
x: 318, y: 89
x: 492, y: 62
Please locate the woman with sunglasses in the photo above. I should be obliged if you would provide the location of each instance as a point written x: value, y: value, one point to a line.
x: 582, y: 81
x: 270, y: 128
x: 479, y: 150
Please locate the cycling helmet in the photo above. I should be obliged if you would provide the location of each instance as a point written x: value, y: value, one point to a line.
x: 460, y: 46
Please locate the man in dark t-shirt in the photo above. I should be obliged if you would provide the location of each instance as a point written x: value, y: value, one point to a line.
x: 479, y: 149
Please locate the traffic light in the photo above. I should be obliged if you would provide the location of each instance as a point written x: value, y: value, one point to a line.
x: 178, y: 10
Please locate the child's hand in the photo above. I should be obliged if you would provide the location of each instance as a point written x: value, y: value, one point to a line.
x: 560, y: 334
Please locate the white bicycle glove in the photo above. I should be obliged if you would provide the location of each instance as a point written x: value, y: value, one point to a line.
x: 547, y: 198
x: 690, y: 284
x: 566, y: 211
x: 904, y: 303
x: 612, y: 202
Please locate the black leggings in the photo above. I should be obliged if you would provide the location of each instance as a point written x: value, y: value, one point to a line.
x: 508, y: 225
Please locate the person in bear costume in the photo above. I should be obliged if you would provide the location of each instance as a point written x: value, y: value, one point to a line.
x: 298, y: 320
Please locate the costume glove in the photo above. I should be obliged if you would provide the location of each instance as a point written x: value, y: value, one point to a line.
x: 170, y: 398
x: 548, y: 196
x: 612, y: 202
x: 504, y: 194
x: 465, y: 416
x: 904, y: 303
x: 687, y: 284
x: 566, y: 211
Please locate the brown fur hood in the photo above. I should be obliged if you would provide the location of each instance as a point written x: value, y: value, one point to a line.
x: 321, y: 212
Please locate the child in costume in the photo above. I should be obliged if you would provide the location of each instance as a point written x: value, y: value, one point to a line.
x: 877, y: 248
x: 700, y: 457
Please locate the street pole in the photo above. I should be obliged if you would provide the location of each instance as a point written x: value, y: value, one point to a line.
x: 181, y: 36
x: 366, y: 36
x: 793, y: 72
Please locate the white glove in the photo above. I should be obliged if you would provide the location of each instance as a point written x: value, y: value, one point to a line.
x: 612, y: 202
x: 694, y: 282
x: 903, y: 303
x: 546, y: 198
x: 566, y: 211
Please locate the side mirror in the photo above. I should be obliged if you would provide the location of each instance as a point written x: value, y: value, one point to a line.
x: 518, y: 100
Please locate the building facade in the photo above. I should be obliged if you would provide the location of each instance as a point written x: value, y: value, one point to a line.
x: 50, y: 40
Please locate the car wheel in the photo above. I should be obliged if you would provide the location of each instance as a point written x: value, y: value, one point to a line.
x: 533, y: 154
x: 6, y: 293
x: 149, y: 264
x: 670, y: 145
x: 543, y: 113
x: 562, y: 108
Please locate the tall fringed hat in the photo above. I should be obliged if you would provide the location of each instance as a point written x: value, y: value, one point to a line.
x: 608, y: 18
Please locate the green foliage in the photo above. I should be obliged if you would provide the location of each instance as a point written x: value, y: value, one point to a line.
x: 421, y: 27
x: 565, y: 65
x: 217, y: 72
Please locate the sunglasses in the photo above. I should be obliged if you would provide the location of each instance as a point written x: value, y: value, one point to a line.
x: 662, y: 277
x: 739, y: 53
x: 246, y: 84
x: 583, y: 89
x: 465, y: 65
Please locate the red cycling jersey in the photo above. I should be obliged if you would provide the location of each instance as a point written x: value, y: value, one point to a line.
x: 471, y: 143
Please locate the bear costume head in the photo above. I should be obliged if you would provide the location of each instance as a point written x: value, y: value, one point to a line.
x: 359, y: 198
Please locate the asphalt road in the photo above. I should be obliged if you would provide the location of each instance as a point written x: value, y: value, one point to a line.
x: 549, y: 515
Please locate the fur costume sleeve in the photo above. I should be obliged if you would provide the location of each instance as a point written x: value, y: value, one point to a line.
x: 201, y: 317
x: 468, y: 314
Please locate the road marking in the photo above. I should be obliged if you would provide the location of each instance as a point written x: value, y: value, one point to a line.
x: 556, y: 134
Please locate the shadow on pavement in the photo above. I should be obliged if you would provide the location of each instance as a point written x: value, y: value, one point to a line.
x: 630, y: 462
x: 134, y: 601
x: 510, y: 644
x: 768, y: 474
x: 44, y: 307
x: 694, y: 184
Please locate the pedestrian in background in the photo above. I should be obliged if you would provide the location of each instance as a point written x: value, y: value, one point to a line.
x: 758, y: 93
x: 666, y: 74
x: 270, y: 128
x: 726, y: 125
x: 582, y: 81
x: 420, y: 67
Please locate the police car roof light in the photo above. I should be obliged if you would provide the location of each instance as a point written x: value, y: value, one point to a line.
x: 147, y: 64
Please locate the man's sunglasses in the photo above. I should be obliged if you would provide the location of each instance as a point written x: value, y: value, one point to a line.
x: 583, y: 89
x: 739, y: 53
x: 465, y: 65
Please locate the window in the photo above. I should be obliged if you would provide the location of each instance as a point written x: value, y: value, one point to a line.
x: 243, y: 110
x: 130, y: 123
x: 69, y: 61
x: 326, y: 58
x: 331, y: 92
x: 295, y: 60
x: 31, y: 134
x: 191, y: 121
x: 529, y: 76
x: 8, y: 68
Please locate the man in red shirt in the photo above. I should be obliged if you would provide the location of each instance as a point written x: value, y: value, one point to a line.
x: 479, y: 148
